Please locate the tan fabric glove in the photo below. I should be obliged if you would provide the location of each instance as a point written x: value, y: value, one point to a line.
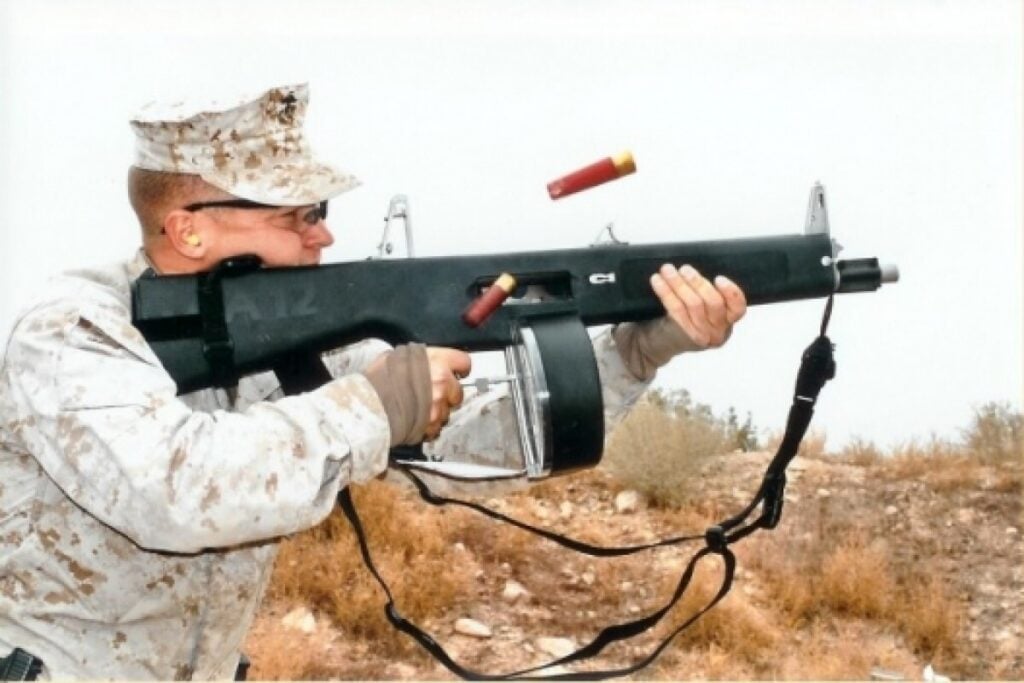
x: 402, y: 382
x: 647, y: 346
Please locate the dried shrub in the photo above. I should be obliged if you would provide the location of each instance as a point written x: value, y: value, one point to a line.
x: 931, y: 461
x: 996, y: 433
x: 856, y: 580
x: 790, y: 572
x: 1008, y: 478
x: 742, y: 435
x: 861, y: 452
x: 934, y: 447
x: 812, y: 446
x: 954, y: 475
x: 659, y: 446
x: 283, y: 656
x: 929, y: 617
x: 733, y: 626
x: 830, y: 650
x: 738, y: 627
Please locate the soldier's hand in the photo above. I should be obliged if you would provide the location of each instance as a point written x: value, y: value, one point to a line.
x: 698, y: 315
x: 706, y: 312
x: 447, y: 366
x: 417, y: 386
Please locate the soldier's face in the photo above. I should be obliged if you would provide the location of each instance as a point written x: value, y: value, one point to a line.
x: 284, y: 236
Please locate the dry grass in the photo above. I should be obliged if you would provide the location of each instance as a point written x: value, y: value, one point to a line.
x: 915, y: 460
x: 736, y: 626
x: 812, y: 446
x: 996, y: 433
x: 323, y: 567
x: 860, y: 452
x: 857, y: 578
x: 947, y: 467
x: 994, y: 436
x: 658, y: 447
x: 295, y: 659
x: 826, y: 599
x: 1008, y: 478
x: 933, y: 622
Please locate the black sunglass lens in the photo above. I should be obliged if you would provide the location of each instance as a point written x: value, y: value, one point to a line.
x: 316, y: 214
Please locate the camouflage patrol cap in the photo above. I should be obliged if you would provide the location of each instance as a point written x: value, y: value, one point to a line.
x: 255, y: 149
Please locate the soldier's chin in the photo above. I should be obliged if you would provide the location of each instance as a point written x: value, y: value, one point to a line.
x: 287, y: 258
x: 282, y: 261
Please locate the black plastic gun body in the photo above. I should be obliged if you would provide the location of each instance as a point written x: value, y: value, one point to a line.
x: 270, y: 313
x: 209, y: 329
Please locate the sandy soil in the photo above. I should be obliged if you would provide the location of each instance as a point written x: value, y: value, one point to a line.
x: 966, y: 533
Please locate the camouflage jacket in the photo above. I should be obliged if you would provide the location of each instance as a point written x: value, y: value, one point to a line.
x: 138, y: 528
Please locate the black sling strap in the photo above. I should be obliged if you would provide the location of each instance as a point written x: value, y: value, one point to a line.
x: 817, y: 367
x: 218, y: 349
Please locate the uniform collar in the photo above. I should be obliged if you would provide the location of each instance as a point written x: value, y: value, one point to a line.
x: 138, y: 265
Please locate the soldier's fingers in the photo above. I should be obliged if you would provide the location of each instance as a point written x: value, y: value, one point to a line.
x: 714, y: 303
x: 735, y: 299
x: 440, y: 411
x: 459, y: 362
x: 694, y: 302
x: 675, y: 306
x: 432, y: 432
x: 439, y: 378
x: 462, y: 363
x: 454, y: 392
x: 446, y: 367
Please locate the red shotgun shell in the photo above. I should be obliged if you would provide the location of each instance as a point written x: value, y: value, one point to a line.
x: 489, y: 301
x: 609, y: 168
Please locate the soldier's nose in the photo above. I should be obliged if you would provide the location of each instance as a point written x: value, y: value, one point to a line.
x: 319, y: 236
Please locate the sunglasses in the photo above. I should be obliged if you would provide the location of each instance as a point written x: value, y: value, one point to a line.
x: 312, y: 217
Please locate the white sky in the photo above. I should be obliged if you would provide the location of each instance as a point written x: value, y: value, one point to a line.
x: 909, y: 112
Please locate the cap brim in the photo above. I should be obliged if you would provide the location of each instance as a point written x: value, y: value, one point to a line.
x: 294, y: 183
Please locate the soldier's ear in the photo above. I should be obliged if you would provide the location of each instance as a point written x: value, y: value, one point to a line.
x: 185, y: 234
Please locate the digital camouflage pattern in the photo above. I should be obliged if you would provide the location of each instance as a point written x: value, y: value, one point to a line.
x: 254, y: 149
x: 138, y: 528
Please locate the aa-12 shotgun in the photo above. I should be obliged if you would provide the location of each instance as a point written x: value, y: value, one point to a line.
x: 208, y: 329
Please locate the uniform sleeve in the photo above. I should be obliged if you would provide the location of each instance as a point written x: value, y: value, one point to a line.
x: 109, y: 430
x: 354, y: 357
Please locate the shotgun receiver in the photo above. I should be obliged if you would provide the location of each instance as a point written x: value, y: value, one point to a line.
x: 210, y: 328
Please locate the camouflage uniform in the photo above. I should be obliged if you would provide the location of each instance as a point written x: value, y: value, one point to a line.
x: 138, y: 528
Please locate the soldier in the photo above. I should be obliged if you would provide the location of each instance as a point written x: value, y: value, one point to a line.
x: 138, y: 527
